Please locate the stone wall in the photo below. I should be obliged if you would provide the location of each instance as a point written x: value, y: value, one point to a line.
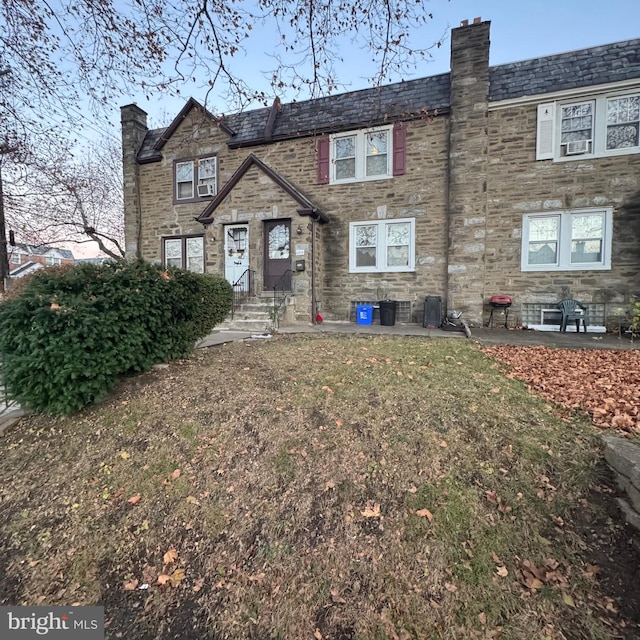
x: 624, y: 458
x: 517, y: 184
x: 468, y: 142
x: 420, y: 194
x: 134, y: 127
x: 470, y: 177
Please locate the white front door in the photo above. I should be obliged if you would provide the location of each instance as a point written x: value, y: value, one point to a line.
x: 236, y: 253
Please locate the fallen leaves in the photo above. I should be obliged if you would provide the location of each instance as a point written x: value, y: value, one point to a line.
x: 134, y: 499
x: 170, y: 556
x: 536, y: 577
x: 372, y: 510
x: 425, y: 513
x: 336, y: 597
x: 198, y: 585
x: 177, y: 577
x: 603, y: 382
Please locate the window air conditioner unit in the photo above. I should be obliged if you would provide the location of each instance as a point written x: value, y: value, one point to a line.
x: 577, y: 147
x: 205, y: 190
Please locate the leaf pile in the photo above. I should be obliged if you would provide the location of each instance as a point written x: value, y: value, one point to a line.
x: 603, y: 382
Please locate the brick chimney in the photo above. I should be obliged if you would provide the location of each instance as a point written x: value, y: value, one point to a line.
x: 134, y: 128
x: 468, y: 148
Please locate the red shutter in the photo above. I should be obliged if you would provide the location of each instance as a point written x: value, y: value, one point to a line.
x: 323, y: 161
x: 399, y: 149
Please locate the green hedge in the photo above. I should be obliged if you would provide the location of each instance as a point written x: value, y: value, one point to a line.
x: 71, y: 333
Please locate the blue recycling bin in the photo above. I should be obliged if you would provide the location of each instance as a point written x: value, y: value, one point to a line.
x: 364, y: 314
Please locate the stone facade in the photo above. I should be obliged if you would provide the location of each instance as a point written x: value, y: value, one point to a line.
x: 520, y: 184
x: 468, y: 149
x: 469, y: 176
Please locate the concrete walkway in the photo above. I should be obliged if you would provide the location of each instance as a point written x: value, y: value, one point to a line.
x: 482, y: 335
x: 10, y: 414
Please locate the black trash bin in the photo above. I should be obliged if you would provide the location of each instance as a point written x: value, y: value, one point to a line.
x: 388, y: 312
x: 432, y: 318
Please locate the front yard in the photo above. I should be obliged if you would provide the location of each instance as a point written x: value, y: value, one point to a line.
x: 321, y: 487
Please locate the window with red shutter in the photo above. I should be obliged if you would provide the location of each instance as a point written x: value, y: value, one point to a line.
x: 399, y: 149
x: 323, y: 161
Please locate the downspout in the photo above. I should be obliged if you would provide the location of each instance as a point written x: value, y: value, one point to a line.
x: 448, y: 223
x: 313, y: 271
x: 138, y: 210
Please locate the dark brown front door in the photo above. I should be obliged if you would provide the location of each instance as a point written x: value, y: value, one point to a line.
x: 277, y: 254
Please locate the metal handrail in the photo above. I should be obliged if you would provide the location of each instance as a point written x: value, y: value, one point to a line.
x: 243, y: 288
x: 279, y: 286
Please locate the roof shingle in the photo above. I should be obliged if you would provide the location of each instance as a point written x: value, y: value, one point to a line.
x: 416, y: 98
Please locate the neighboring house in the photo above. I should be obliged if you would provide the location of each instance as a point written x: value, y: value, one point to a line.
x: 97, y: 261
x: 484, y: 181
x: 27, y: 258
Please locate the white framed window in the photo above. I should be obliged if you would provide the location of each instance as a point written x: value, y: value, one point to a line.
x: 382, y: 245
x: 576, y: 128
x: 567, y: 240
x: 51, y: 261
x: 605, y: 125
x: 15, y: 258
x: 361, y: 155
x: 623, y: 122
x: 195, y: 178
x: 184, y: 252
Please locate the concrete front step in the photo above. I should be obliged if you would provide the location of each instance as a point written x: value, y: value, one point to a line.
x: 241, y: 324
x: 255, y: 307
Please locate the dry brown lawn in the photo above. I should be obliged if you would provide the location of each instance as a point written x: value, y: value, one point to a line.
x: 317, y: 487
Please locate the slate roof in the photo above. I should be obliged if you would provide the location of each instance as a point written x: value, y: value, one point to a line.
x: 366, y: 107
x: 586, y: 67
x: 414, y: 98
x: 148, y: 152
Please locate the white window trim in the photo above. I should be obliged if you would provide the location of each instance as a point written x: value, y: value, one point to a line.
x: 564, y: 241
x: 599, y: 143
x: 195, y: 177
x: 176, y: 188
x: 381, y: 247
x: 361, y: 157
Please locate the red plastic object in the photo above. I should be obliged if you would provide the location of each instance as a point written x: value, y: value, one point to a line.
x: 500, y: 301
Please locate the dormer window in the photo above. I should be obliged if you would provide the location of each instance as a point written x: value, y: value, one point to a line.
x: 195, y: 179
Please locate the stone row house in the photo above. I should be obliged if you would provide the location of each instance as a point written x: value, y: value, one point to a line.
x: 488, y: 180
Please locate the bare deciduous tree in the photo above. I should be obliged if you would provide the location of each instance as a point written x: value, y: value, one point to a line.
x: 58, y: 198
x: 66, y: 63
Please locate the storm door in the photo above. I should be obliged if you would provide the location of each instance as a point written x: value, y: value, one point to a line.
x: 277, y: 254
x: 236, y: 252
